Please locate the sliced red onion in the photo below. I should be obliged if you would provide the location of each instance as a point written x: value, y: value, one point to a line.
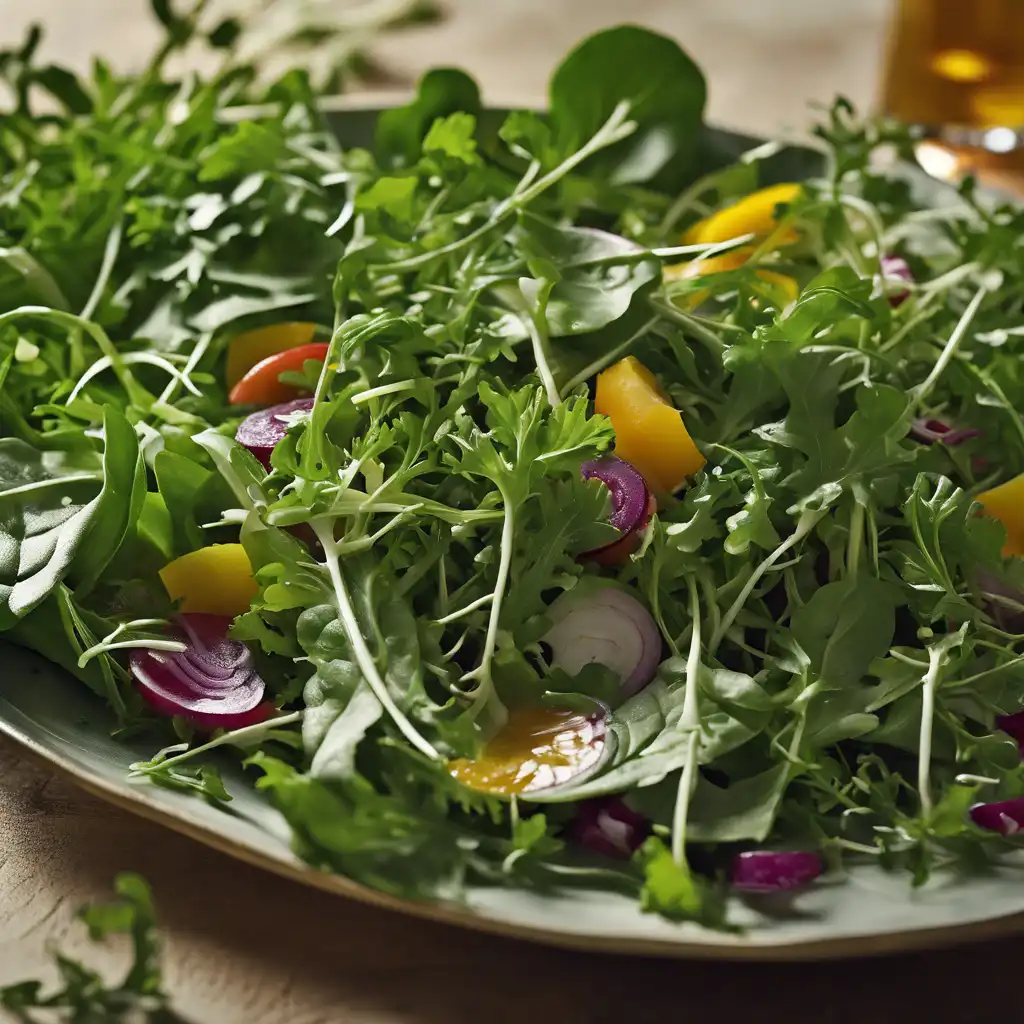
x: 261, y: 431
x: 1012, y: 725
x: 930, y: 431
x: 633, y: 505
x: 1000, y: 599
x: 1003, y: 816
x: 610, y: 827
x: 602, y: 623
x: 212, y: 683
x: 895, y: 268
x: 775, y: 870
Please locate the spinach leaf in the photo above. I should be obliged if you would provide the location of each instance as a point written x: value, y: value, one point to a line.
x: 665, y: 91
x: 845, y: 626
x: 56, y: 521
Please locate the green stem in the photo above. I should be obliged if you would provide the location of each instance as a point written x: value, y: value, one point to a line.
x: 806, y: 523
x: 605, y: 360
x: 856, y: 539
x: 353, y: 631
x: 235, y: 736
x: 110, y: 251
x: 924, y: 756
x: 949, y: 350
x: 482, y: 673
x: 689, y: 723
x: 537, y: 326
x: 978, y: 676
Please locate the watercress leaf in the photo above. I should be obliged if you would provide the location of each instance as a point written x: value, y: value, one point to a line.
x: 393, y: 195
x: 529, y: 132
x: 451, y: 141
x: 401, y: 130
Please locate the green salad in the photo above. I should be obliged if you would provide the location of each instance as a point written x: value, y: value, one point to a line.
x: 578, y: 498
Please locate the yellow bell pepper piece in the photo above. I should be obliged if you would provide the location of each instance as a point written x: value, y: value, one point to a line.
x: 754, y: 214
x: 252, y: 347
x: 649, y: 430
x: 1006, y: 503
x: 217, y: 580
x: 731, y: 260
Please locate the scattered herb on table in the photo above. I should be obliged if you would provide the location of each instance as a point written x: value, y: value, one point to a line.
x: 84, y: 997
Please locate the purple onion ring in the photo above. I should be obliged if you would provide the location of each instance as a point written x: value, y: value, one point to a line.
x: 212, y: 683
x: 775, y: 870
x: 261, y: 431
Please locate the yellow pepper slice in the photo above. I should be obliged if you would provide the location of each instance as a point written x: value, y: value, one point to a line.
x: 217, y: 580
x: 252, y: 347
x: 1006, y: 503
x: 731, y: 260
x: 753, y: 214
x: 649, y: 430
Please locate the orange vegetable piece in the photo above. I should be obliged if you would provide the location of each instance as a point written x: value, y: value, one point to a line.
x: 537, y: 748
x: 649, y: 430
x: 261, y: 385
x: 252, y: 347
x: 753, y: 214
x: 217, y: 580
x: 1006, y: 503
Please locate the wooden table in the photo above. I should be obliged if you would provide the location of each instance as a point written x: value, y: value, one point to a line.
x: 245, y: 946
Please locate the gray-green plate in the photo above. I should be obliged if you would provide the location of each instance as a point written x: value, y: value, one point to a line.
x: 868, y: 911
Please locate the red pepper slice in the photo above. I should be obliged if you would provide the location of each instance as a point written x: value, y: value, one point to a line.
x: 261, y: 386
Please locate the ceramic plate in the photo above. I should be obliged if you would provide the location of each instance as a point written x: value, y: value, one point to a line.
x: 56, y: 719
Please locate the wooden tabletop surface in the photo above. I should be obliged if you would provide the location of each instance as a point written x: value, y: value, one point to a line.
x: 242, y: 946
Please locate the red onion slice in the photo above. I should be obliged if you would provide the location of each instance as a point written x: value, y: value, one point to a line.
x: 931, y: 431
x: 212, y: 683
x: 1012, y: 725
x: 1003, y: 601
x: 895, y: 268
x: 610, y: 827
x: 775, y: 870
x: 1003, y: 816
x: 602, y: 623
x: 632, y: 507
x: 261, y: 431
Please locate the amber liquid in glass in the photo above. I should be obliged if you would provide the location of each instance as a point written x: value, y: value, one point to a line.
x: 956, y: 70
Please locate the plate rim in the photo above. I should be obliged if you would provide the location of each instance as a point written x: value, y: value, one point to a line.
x: 882, y: 944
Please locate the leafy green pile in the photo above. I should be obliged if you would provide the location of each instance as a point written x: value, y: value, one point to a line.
x: 832, y: 674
